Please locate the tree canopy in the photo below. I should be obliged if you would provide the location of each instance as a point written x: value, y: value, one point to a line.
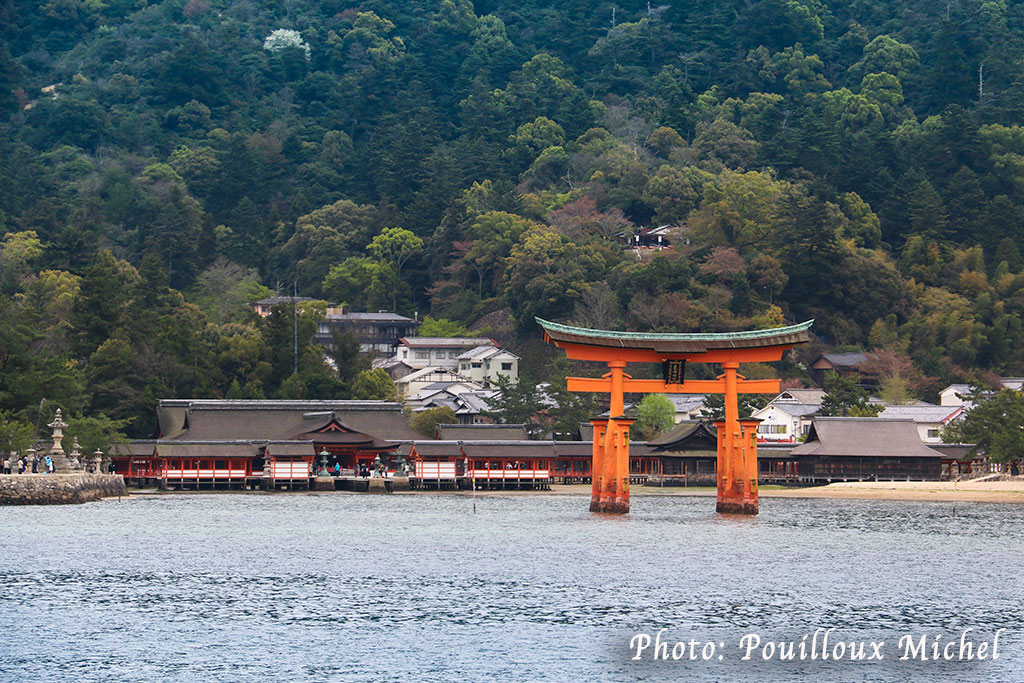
x: 163, y: 165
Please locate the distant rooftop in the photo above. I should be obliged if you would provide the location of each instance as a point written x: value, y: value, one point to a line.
x: 846, y: 360
x: 800, y: 396
x: 792, y: 408
x: 484, y: 352
x: 379, y: 316
x: 447, y: 342
x: 275, y: 300
x: 922, y: 413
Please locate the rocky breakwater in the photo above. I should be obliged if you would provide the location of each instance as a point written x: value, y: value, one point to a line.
x: 58, y: 489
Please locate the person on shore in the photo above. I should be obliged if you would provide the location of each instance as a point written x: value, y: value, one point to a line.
x: 49, y: 465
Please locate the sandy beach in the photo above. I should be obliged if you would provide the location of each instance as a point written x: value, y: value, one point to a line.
x: 964, y: 491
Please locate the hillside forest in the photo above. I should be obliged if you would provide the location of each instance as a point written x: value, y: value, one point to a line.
x: 164, y: 163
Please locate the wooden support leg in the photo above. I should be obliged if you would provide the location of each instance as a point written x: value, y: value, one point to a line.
x: 613, y: 493
x: 597, y: 464
x: 735, y: 493
x: 622, y: 500
x: 606, y: 498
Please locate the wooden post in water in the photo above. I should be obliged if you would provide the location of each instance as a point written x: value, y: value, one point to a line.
x: 597, y: 463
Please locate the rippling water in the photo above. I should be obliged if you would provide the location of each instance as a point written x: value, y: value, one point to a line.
x: 251, y: 587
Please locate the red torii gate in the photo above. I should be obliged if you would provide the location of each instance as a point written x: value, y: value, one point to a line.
x: 737, y: 439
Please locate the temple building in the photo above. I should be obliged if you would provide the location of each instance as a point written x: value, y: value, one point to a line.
x: 865, y: 449
x: 245, y: 444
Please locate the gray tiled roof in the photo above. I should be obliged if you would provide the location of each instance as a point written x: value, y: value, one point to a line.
x: 864, y: 437
x: 845, y: 359
x: 277, y: 420
x: 920, y: 413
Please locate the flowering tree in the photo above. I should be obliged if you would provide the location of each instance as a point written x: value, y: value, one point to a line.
x: 284, y: 38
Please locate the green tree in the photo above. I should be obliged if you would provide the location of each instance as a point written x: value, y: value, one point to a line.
x: 713, y: 409
x: 372, y: 384
x: 845, y: 399
x: 425, y: 421
x: 520, y: 403
x: 15, y: 435
x: 395, y: 246
x: 655, y: 414
x: 325, y: 237
x: 547, y: 274
x: 993, y: 424
x: 95, y: 433
x: 441, y: 327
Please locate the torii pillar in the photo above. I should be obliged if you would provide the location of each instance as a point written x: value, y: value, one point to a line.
x: 737, y: 439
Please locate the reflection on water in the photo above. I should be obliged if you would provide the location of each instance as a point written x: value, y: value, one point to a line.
x: 241, y: 587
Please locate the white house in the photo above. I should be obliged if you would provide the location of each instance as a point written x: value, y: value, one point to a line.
x: 954, y: 394
x: 929, y: 419
x: 483, y: 364
x: 440, y: 352
x: 785, y: 421
x: 787, y: 417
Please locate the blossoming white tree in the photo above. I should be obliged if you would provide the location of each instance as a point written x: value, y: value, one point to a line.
x: 283, y: 38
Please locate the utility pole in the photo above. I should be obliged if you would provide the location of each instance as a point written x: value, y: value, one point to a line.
x: 295, y: 319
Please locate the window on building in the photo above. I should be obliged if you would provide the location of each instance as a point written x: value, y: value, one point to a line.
x: 477, y: 365
x: 465, y: 366
x: 423, y: 355
x: 772, y: 429
x: 933, y: 433
x: 507, y: 367
x: 454, y: 354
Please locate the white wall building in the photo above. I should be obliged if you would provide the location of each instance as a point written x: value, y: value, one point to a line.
x: 442, y: 352
x: 785, y: 422
x: 484, y: 363
x: 954, y: 394
x: 930, y: 420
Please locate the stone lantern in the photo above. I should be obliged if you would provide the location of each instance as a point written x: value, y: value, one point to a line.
x: 30, y: 460
x: 97, y: 461
x: 322, y: 472
x: 60, y: 463
x: 76, y: 453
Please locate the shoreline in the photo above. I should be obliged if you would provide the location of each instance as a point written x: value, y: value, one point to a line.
x: 1011, y: 492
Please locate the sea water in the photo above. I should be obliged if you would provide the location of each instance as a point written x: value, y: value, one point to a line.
x: 340, y: 587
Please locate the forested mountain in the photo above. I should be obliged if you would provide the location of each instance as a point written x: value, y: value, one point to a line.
x: 163, y: 163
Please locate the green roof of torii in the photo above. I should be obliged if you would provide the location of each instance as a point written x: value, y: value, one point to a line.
x: 678, y: 342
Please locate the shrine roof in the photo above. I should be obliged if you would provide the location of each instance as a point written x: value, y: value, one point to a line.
x: 677, y: 342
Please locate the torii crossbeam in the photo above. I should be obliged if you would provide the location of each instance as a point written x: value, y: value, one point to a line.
x: 737, y: 440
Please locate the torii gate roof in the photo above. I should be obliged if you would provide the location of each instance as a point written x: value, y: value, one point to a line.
x: 677, y: 342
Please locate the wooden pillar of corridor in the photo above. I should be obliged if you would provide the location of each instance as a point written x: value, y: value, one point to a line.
x: 737, y: 439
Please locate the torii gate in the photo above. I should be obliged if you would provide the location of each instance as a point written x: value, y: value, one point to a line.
x: 737, y: 439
